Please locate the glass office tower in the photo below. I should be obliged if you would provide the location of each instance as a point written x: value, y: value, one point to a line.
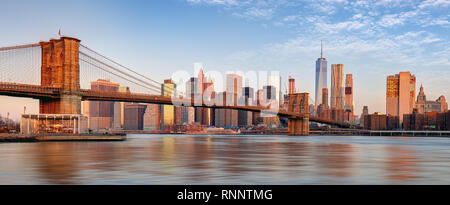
x: 321, y: 77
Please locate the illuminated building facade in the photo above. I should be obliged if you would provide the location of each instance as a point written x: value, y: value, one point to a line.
x: 400, y: 94
x: 337, y: 77
x: 101, y: 113
x: 167, y: 111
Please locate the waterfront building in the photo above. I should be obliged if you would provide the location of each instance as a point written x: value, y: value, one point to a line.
x: 270, y: 96
x: 200, y: 114
x: 275, y: 81
x: 378, y: 121
x: 260, y: 101
x: 119, y: 110
x: 337, y: 77
x: 208, y: 94
x: 321, y: 77
x: 200, y: 82
x: 349, y: 116
x: 193, y: 87
x: 424, y: 106
x: 400, y: 94
x: 323, y: 110
x: 53, y: 123
x: 134, y: 113
x: 443, y: 120
x: 167, y: 111
x: 349, y: 92
x: 184, y: 117
x: 101, y: 113
x: 245, y: 117
x: 363, y: 114
x: 325, y: 97
x: 269, y: 93
x: 85, y: 111
x: 117, y: 114
x: 151, y: 117
x: 234, y: 92
x: 426, y: 121
x: 191, y: 115
x: 221, y: 118
x: 338, y: 115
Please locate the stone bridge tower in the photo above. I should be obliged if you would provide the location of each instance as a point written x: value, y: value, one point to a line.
x: 298, y: 103
x: 60, y: 69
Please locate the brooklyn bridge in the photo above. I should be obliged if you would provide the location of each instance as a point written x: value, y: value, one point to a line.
x: 57, y: 73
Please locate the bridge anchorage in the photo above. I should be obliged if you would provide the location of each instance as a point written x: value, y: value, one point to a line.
x: 58, y: 89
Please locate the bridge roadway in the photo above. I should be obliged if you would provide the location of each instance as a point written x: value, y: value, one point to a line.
x: 44, y: 92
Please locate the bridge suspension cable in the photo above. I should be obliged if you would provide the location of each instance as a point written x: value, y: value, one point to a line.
x: 152, y: 89
x: 119, y: 71
x: 168, y: 90
x: 20, y: 64
x: 129, y: 69
x: 19, y: 47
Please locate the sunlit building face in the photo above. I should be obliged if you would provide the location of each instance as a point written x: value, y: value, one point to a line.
x: 321, y: 79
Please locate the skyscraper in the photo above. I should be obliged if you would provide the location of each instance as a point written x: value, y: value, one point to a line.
x: 168, y: 111
x: 101, y: 113
x: 291, y: 86
x: 191, y: 88
x: 234, y: 89
x: 325, y: 96
x: 275, y: 81
x: 400, y: 94
x: 245, y: 117
x: 349, y: 92
x: 221, y: 117
x: 364, y: 113
x: 270, y: 93
x: 208, y: 92
x: 119, y: 108
x: 337, y: 80
x: 134, y: 113
x: 321, y: 77
x: 323, y: 110
x: 200, y: 113
x: 151, y: 117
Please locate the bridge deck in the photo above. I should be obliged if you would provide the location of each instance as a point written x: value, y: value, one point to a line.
x: 42, y: 92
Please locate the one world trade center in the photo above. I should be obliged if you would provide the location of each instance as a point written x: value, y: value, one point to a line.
x: 321, y: 77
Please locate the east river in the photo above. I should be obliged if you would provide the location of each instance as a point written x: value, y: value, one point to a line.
x: 225, y: 159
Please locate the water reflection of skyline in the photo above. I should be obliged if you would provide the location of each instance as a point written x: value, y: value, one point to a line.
x: 335, y: 160
x: 401, y: 164
x: 221, y: 160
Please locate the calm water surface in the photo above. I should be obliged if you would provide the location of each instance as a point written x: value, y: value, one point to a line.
x: 189, y: 159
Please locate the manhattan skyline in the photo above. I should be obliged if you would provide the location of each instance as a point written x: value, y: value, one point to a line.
x: 372, y: 39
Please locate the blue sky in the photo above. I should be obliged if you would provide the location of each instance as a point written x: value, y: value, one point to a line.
x: 372, y: 39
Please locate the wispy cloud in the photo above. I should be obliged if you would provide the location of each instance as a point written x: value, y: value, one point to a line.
x: 334, y: 28
x: 435, y: 3
x: 395, y: 19
x: 219, y: 2
x: 256, y: 13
